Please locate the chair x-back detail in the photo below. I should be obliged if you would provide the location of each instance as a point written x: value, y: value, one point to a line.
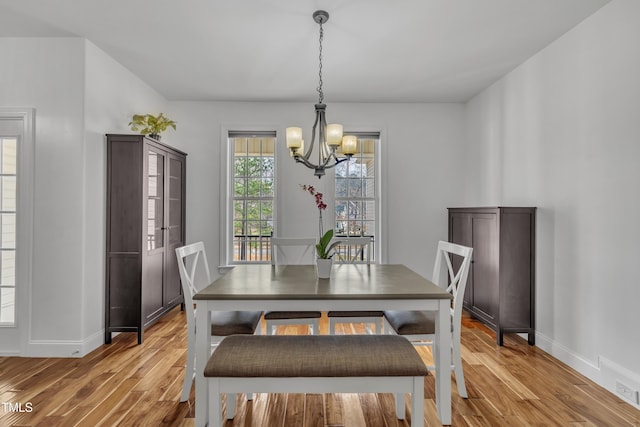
x: 281, y: 250
x: 419, y: 326
x: 355, y: 250
x: 192, y: 264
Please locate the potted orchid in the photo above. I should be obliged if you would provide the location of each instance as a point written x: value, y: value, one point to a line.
x: 325, y: 249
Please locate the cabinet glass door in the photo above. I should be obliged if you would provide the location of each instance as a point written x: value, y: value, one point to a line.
x: 176, y: 196
x: 155, y: 201
x: 175, y: 236
x: 153, y: 266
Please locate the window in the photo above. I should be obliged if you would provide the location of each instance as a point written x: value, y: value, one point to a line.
x: 8, y: 181
x: 356, y: 197
x: 253, y: 188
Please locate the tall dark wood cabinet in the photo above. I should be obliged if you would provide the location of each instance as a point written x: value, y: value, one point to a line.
x: 501, y: 283
x: 145, y: 223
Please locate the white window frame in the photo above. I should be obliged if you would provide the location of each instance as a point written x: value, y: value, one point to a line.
x: 378, y: 251
x: 227, y: 188
x: 24, y: 225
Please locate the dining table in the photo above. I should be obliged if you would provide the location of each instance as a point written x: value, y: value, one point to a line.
x: 351, y: 287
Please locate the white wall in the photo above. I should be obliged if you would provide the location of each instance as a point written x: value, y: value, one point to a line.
x: 48, y: 74
x: 112, y: 95
x: 421, y: 146
x: 562, y: 132
x: 79, y: 94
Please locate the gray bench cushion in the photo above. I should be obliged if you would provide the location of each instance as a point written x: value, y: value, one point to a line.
x: 315, y: 356
x: 224, y: 323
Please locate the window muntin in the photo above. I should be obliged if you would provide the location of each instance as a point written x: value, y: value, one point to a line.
x: 253, y: 196
x: 8, y: 213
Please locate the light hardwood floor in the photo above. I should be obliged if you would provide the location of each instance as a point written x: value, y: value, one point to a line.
x: 135, y: 385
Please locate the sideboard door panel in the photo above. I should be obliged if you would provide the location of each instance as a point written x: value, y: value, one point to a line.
x: 485, y: 272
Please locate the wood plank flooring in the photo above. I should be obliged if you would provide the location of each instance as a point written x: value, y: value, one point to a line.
x: 125, y: 384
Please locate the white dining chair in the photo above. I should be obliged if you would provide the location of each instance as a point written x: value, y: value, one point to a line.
x: 282, y: 251
x: 355, y: 250
x: 223, y: 323
x: 419, y: 326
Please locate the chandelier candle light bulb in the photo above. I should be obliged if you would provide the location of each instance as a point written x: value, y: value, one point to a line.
x: 294, y: 137
x: 349, y: 145
x: 334, y: 135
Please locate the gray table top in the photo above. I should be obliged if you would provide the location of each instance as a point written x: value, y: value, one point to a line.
x: 348, y: 281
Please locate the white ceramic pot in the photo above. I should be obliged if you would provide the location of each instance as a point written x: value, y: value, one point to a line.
x: 323, y: 267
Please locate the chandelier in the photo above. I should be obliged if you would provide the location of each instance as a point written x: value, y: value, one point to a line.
x: 329, y: 137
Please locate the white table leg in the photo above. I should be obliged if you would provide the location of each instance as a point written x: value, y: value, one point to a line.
x: 203, y: 349
x: 442, y: 356
x: 400, y: 410
x: 417, y: 402
x: 215, y: 413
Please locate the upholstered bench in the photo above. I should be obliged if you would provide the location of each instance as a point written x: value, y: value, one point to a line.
x: 316, y: 364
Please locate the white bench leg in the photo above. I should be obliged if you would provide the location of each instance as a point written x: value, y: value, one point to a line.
x: 400, y: 410
x: 270, y: 328
x: 332, y: 327
x: 417, y: 402
x: 215, y: 412
x: 231, y: 405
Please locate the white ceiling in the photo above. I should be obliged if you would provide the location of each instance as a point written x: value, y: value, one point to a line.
x: 267, y: 50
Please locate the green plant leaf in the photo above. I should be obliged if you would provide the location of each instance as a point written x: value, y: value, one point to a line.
x: 320, y: 250
x: 150, y: 124
x: 323, y: 248
x: 324, y: 240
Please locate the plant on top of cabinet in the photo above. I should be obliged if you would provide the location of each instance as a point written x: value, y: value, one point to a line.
x: 151, y: 125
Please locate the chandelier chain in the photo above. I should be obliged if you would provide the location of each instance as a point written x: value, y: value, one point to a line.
x: 319, y: 89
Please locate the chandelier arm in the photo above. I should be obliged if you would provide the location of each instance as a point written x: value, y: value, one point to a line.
x: 323, y: 152
x: 307, y: 163
x: 330, y: 155
x: 325, y: 165
x: 337, y: 162
x: 308, y: 151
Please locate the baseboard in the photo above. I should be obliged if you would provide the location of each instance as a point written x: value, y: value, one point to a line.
x: 605, y: 372
x: 68, y: 348
x: 587, y: 368
x: 613, y: 374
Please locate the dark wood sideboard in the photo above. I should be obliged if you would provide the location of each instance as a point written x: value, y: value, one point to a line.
x: 501, y: 285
